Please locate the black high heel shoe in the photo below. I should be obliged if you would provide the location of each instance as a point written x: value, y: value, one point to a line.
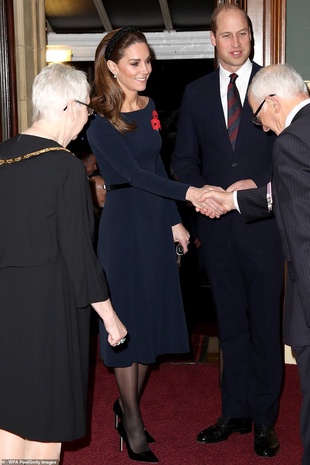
x: 147, y: 456
x: 119, y: 415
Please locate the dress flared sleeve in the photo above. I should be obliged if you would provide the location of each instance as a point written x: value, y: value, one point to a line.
x: 75, y: 229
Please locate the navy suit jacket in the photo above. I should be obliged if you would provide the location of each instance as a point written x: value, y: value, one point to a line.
x: 291, y: 192
x: 203, y: 155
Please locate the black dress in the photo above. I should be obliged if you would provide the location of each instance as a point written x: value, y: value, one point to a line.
x: 135, y: 243
x: 49, y: 274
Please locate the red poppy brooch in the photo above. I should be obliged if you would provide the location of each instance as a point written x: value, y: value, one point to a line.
x: 155, y: 121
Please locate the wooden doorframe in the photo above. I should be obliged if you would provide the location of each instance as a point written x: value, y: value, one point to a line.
x: 8, y: 92
x: 269, y: 26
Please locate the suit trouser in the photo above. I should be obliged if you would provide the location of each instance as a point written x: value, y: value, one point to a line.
x: 246, y: 282
x: 303, y: 363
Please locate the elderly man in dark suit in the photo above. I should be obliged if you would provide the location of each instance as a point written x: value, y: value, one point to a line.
x: 281, y: 102
x: 244, y: 262
x: 287, y: 113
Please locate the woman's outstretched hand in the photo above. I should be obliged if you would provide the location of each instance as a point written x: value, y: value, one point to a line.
x: 204, y: 201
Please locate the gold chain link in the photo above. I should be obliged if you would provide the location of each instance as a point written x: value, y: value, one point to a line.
x: 9, y: 161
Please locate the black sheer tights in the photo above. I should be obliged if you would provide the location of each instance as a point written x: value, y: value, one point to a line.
x: 131, y: 382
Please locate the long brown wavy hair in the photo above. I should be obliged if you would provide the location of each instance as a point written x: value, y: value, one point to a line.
x: 107, y: 96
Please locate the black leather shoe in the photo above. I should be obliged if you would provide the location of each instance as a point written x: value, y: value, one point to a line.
x: 266, y: 443
x: 224, y: 427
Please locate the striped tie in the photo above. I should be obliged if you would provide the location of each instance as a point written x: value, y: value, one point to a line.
x: 234, y: 109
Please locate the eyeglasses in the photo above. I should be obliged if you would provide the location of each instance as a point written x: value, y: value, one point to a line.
x: 89, y: 108
x: 255, y: 119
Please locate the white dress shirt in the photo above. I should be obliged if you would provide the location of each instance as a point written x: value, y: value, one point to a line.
x: 295, y: 110
x: 242, y: 83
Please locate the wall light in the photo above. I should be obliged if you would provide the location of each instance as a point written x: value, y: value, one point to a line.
x: 58, y: 54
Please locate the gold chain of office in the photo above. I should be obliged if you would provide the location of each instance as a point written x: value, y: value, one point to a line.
x: 9, y: 161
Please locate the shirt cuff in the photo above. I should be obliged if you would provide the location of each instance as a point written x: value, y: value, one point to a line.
x: 236, y: 201
x: 269, y: 197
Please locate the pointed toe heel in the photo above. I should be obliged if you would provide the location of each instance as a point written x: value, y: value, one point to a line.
x: 118, y: 415
x: 147, y: 457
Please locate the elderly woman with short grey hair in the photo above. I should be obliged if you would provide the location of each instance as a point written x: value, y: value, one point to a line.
x: 49, y: 274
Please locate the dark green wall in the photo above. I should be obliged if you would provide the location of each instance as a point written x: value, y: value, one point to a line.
x: 298, y: 36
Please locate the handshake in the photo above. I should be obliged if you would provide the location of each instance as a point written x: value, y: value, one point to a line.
x: 214, y: 201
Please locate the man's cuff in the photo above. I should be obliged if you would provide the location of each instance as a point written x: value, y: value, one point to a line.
x: 269, y: 197
x: 235, y: 199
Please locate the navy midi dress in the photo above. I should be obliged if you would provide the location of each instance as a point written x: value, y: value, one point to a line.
x: 135, y: 241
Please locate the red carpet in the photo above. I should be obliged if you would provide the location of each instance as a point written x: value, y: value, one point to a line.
x: 180, y: 400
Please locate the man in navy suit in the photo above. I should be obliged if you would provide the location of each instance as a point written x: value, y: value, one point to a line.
x: 244, y: 262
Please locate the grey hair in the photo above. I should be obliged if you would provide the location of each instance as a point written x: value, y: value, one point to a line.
x: 282, y: 80
x: 54, y: 86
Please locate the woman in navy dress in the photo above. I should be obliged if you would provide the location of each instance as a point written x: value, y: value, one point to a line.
x: 139, y: 225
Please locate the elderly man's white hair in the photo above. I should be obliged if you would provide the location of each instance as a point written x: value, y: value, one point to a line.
x: 54, y: 86
x: 282, y: 80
